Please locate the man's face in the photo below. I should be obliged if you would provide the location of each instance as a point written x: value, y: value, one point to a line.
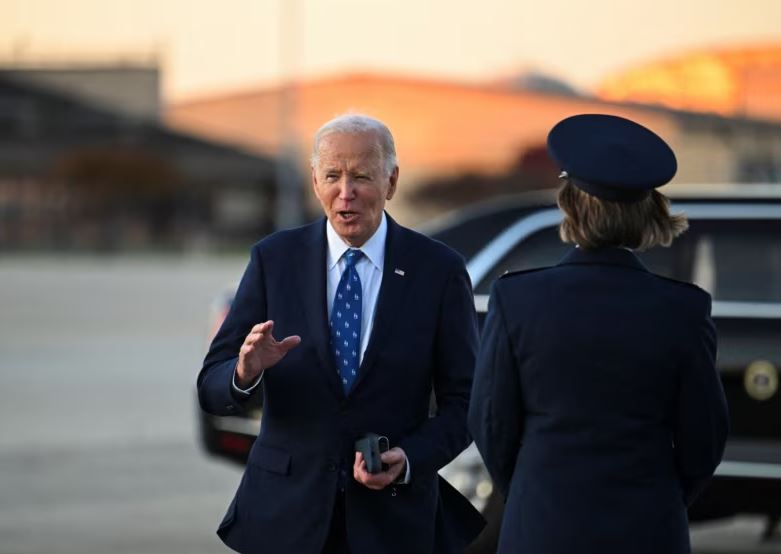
x: 352, y: 185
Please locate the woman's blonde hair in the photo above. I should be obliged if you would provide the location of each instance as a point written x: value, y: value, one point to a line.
x: 591, y: 222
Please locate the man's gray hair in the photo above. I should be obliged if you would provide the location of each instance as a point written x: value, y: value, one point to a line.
x: 358, y: 123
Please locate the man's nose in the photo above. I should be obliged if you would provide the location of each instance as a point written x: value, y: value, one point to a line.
x: 347, y: 188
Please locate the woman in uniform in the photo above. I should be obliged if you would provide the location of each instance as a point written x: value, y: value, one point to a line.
x: 596, y: 404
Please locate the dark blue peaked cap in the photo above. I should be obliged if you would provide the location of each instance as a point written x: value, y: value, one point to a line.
x: 611, y: 157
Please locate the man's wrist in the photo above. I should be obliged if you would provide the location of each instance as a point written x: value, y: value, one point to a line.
x: 242, y: 387
x: 405, y: 475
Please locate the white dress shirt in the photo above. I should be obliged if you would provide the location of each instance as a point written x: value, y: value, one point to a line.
x: 369, y: 269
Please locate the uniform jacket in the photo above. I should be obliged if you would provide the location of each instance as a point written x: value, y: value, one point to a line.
x: 597, y: 406
x: 424, y: 335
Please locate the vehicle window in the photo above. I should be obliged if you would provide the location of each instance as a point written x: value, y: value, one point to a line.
x: 469, y: 236
x: 545, y: 248
x: 674, y: 261
x: 739, y: 262
x: 541, y: 249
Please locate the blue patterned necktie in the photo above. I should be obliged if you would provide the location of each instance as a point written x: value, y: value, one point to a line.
x: 346, y: 320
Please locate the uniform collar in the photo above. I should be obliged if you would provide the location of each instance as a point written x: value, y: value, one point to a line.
x: 373, y: 249
x: 603, y: 256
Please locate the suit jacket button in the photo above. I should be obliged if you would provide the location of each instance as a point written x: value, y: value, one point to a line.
x: 331, y: 466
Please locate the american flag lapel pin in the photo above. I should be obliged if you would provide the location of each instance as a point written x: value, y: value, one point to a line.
x: 398, y: 271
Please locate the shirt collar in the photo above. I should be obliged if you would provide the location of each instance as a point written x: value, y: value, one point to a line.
x: 373, y: 249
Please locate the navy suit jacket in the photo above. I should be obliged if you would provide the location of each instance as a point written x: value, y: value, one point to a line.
x: 597, y: 406
x: 424, y: 336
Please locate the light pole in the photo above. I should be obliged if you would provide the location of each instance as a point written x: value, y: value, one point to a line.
x: 289, y: 199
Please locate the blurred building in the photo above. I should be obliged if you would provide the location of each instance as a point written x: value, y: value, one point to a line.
x: 734, y: 82
x: 92, y: 168
x: 130, y: 89
x: 462, y: 142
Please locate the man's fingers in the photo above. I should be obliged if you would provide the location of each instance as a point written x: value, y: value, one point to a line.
x: 289, y: 343
x: 393, y: 456
x: 264, y: 327
x: 264, y: 348
x: 359, y: 469
x: 375, y: 481
x: 262, y: 332
x: 357, y: 464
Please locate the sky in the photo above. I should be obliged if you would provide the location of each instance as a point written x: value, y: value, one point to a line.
x: 213, y: 46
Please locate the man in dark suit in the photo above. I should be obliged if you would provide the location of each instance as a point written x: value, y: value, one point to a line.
x: 370, y: 317
x: 596, y: 405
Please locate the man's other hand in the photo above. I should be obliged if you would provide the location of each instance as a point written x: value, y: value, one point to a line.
x: 396, y: 460
x: 261, y: 351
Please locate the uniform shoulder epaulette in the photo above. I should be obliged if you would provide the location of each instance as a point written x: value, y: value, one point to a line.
x: 679, y: 282
x: 524, y: 271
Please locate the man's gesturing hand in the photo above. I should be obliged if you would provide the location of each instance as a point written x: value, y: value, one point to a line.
x: 396, y: 460
x: 261, y: 351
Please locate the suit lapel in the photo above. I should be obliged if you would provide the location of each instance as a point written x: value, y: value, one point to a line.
x: 391, y: 294
x: 311, y: 282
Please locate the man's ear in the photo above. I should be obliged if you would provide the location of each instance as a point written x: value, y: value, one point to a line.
x: 393, y: 179
x: 314, y: 182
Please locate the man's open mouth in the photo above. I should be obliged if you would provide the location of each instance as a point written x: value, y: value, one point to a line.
x: 347, y: 216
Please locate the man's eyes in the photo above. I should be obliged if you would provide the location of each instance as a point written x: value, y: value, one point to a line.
x: 331, y: 177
